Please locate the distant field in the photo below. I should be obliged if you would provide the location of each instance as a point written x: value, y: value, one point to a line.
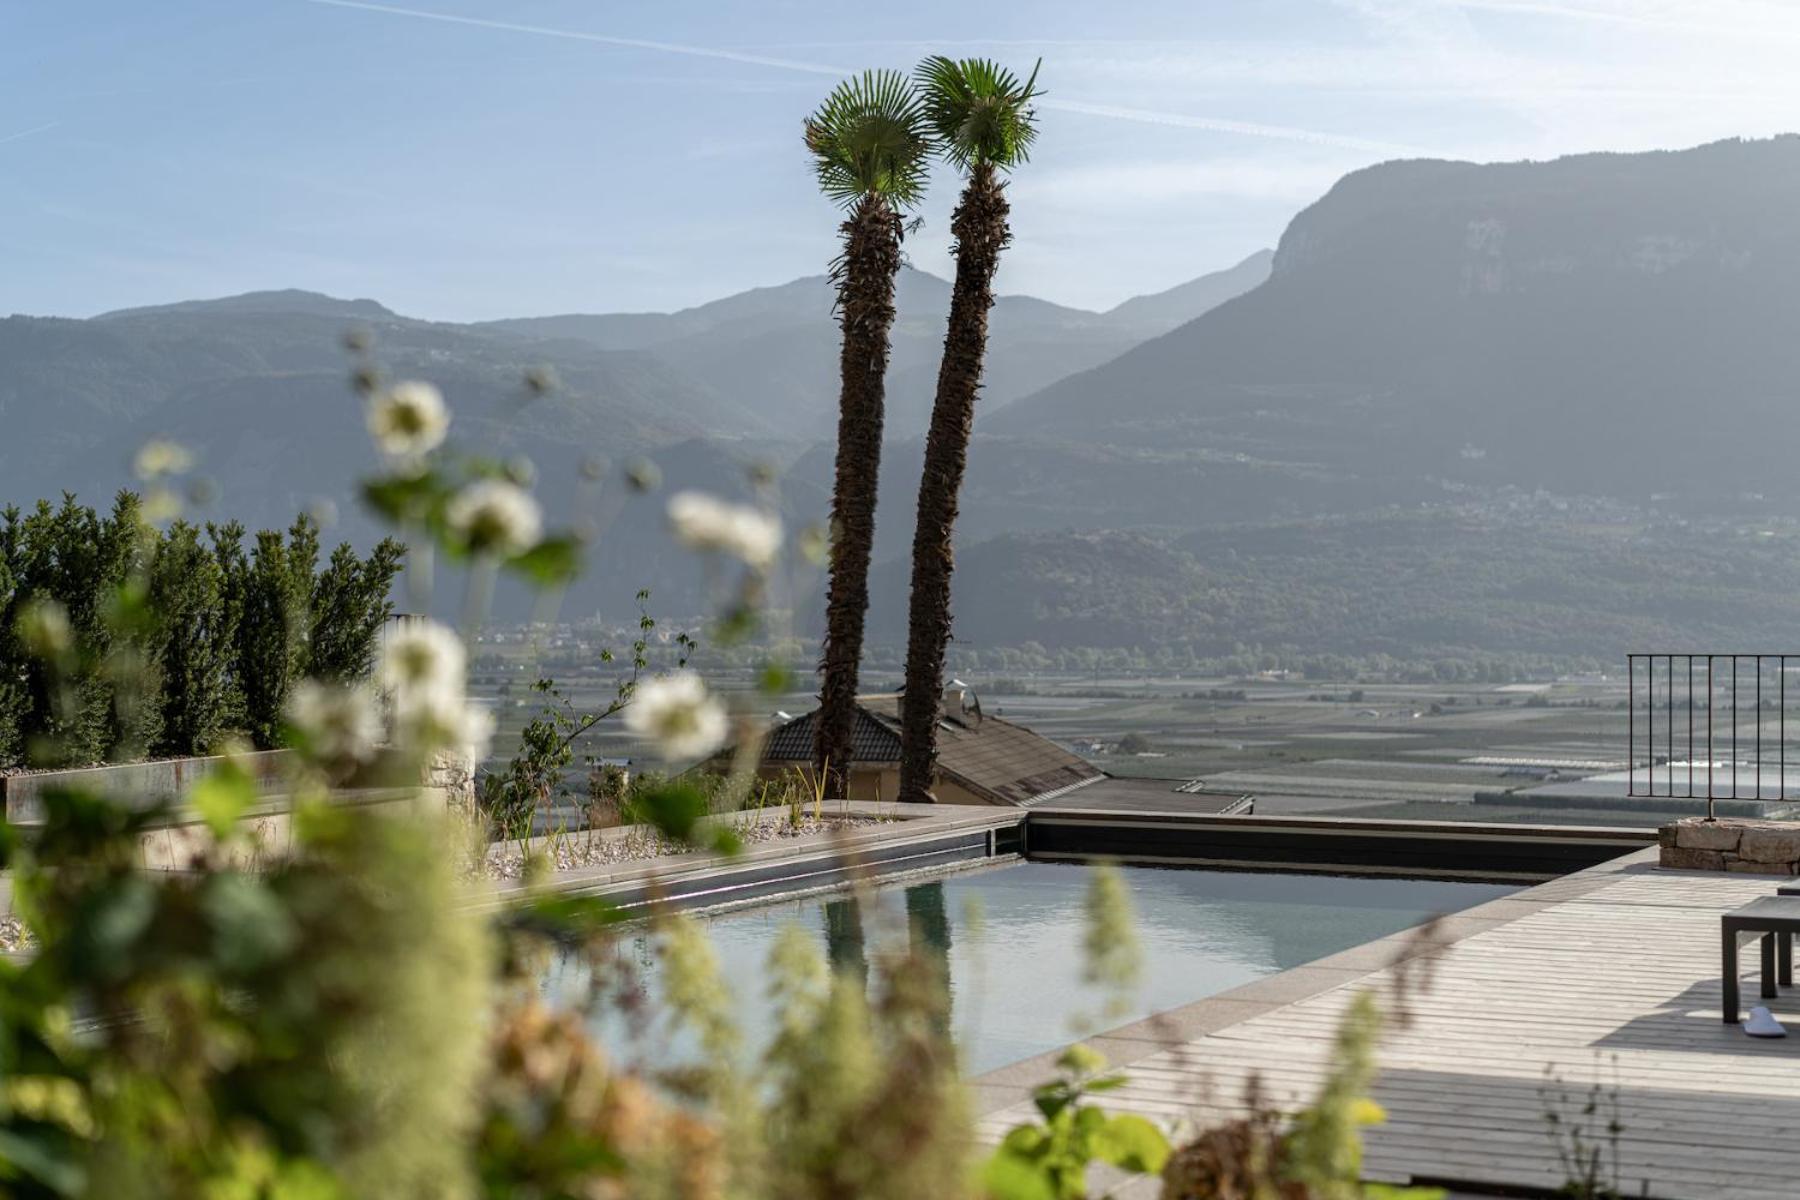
x: 1365, y: 750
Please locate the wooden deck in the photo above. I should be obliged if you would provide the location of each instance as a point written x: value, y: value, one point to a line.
x: 1608, y: 975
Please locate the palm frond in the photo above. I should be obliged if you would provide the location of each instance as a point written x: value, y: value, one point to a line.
x: 871, y: 137
x: 978, y: 110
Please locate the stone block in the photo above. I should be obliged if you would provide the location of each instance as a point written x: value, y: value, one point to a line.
x: 1744, y: 867
x: 1770, y: 844
x: 1665, y: 836
x: 1708, y: 835
x: 1681, y: 858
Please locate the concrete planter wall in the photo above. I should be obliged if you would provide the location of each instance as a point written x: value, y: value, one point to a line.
x: 1745, y: 847
x: 139, y: 784
x: 182, y: 836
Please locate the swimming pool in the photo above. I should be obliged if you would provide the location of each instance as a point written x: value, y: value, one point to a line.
x: 1014, y: 971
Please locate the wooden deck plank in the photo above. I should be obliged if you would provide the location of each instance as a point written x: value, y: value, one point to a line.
x: 1612, y: 979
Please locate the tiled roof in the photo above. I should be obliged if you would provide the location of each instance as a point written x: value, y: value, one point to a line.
x: 874, y: 742
x: 991, y: 757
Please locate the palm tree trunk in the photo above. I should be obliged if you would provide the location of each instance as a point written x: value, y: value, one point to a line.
x: 865, y: 278
x: 981, y: 231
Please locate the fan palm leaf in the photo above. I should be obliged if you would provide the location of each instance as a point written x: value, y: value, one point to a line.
x: 978, y: 111
x: 870, y: 138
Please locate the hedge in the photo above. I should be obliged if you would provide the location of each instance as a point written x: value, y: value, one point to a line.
x: 180, y: 638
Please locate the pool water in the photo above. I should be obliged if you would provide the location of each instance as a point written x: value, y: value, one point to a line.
x: 1015, y: 967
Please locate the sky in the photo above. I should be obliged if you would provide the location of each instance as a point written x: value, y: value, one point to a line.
x: 467, y: 159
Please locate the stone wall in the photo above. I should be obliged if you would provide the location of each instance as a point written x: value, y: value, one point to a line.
x: 453, y: 773
x: 1747, y: 847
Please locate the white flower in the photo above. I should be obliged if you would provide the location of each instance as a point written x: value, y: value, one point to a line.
x: 494, y: 516
x: 161, y: 505
x: 705, y: 522
x: 408, y: 419
x: 159, y: 457
x: 444, y: 721
x: 337, y: 724
x: 422, y: 658
x: 679, y: 714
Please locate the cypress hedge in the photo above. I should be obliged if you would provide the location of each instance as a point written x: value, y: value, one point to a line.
x: 177, y: 638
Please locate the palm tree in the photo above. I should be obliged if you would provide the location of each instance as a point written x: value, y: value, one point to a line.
x: 871, y: 148
x: 982, y: 117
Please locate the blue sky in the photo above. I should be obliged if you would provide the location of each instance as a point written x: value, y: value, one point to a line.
x: 460, y: 159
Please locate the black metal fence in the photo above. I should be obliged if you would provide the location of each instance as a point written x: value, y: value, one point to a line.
x: 1712, y: 726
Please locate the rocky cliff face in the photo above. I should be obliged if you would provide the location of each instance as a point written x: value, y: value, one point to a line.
x: 1611, y: 323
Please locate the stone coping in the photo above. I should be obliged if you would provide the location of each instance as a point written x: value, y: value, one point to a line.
x: 1005, y: 1086
x: 1728, y: 844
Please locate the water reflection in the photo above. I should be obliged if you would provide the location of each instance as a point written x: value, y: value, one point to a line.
x: 1014, y: 978
x: 845, y: 944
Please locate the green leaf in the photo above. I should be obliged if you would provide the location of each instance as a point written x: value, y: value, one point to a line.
x: 222, y: 796
x: 1081, y: 1059
x: 554, y: 560
x: 1024, y: 1140
x: 1132, y: 1143
x: 250, y: 925
x: 114, y: 916
x: 401, y: 498
x: 1052, y: 1098
x: 674, y: 808
x: 871, y: 137
x: 304, y: 1179
x: 774, y: 679
x: 58, y: 1167
x: 1009, y: 1175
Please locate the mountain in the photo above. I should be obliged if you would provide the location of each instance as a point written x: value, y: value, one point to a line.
x: 76, y: 397
x: 1185, y: 301
x: 1523, y: 408
x: 287, y: 300
x: 1617, y: 324
x: 774, y: 349
x: 257, y: 386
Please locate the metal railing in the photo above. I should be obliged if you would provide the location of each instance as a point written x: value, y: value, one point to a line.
x: 1711, y: 726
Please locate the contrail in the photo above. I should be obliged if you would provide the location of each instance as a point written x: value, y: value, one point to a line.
x: 1284, y: 133
x: 757, y: 60
x: 25, y: 133
x: 1139, y: 115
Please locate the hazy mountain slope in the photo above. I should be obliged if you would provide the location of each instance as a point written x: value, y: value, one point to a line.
x: 1163, y: 311
x: 1412, y: 585
x: 71, y: 389
x: 1603, y: 323
x: 285, y: 300
x: 774, y: 350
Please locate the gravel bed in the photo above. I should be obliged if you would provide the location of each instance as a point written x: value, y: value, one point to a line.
x: 12, y: 935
